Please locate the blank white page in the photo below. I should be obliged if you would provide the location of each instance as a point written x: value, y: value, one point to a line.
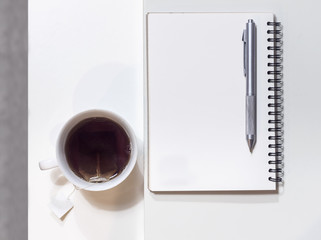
x: 196, y: 103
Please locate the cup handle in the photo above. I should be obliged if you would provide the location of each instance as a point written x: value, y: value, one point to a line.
x: 48, y: 164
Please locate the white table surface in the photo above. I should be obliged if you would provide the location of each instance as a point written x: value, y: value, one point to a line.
x: 84, y: 55
x: 61, y: 33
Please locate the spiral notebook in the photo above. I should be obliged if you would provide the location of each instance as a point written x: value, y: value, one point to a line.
x: 196, y: 103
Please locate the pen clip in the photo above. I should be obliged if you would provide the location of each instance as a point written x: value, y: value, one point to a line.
x: 244, y: 52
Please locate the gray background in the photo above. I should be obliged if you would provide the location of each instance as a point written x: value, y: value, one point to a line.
x: 13, y: 119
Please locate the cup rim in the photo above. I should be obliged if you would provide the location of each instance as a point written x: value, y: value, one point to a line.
x: 61, y: 157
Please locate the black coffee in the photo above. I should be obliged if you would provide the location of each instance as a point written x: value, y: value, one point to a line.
x: 97, y: 149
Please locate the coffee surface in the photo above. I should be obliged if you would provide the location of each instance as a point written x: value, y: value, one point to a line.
x: 97, y: 149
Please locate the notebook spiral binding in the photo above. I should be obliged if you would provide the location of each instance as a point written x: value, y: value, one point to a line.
x: 276, y: 100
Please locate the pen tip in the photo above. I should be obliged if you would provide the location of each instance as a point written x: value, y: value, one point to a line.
x: 251, y: 143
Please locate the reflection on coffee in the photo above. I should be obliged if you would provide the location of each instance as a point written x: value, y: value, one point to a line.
x: 97, y: 149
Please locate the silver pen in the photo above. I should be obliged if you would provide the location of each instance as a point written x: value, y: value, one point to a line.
x: 249, y: 39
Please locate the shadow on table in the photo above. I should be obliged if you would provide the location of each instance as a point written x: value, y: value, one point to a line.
x: 123, y: 196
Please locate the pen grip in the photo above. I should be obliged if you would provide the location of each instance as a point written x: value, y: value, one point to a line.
x: 251, y: 115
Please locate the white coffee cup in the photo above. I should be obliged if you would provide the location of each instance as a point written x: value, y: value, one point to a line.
x: 61, y: 159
